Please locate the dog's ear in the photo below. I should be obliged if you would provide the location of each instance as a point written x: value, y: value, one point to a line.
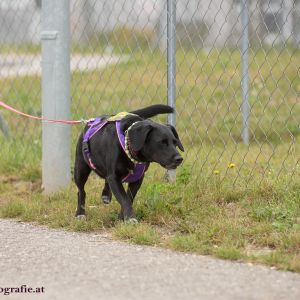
x: 138, y: 135
x: 179, y: 144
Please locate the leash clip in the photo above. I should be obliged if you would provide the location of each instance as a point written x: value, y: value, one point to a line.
x: 87, y: 121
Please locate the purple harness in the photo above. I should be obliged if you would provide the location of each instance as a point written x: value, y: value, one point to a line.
x: 96, y: 125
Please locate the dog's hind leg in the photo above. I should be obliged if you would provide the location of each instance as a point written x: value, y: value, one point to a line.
x: 81, y: 174
x: 106, y: 193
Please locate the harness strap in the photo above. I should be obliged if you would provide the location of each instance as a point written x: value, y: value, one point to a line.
x: 97, y: 124
x: 139, y: 167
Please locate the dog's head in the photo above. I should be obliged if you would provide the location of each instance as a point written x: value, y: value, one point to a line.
x: 156, y: 143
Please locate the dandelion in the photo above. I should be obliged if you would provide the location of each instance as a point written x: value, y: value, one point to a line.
x: 231, y: 166
x: 216, y: 172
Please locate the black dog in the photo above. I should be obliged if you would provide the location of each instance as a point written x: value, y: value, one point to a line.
x: 145, y: 141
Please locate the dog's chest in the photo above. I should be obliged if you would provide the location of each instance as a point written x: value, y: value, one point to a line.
x: 129, y: 175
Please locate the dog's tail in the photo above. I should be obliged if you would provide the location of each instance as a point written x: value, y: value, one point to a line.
x: 153, y: 110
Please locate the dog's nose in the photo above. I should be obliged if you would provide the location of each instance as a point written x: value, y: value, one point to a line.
x: 178, y: 159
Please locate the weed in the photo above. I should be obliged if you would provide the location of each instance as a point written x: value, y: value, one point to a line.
x: 142, y: 234
x: 228, y: 253
x: 184, y: 243
x: 13, y: 209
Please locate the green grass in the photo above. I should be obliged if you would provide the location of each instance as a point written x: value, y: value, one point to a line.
x: 209, y: 219
x: 250, y: 212
x: 141, y: 234
x: 24, y: 48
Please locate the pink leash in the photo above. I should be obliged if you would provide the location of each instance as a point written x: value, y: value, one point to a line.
x: 39, y: 118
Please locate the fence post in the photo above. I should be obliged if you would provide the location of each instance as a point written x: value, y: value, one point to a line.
x: 56, y: 138
x: 245, y: 72
x: 171, y: 62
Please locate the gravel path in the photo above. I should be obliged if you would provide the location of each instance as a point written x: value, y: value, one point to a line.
x: 91, y: 266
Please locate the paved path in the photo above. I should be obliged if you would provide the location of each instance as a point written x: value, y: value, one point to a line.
x: 16, y: 65
x: 90, y: 266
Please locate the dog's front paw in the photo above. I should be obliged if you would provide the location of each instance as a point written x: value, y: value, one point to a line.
x: 106, y: 199
x: 81, y: 217
x: 132, y: 221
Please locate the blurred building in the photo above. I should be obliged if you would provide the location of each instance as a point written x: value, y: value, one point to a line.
x: 200, y: 23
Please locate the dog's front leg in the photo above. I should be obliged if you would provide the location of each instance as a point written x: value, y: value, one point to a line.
x: 133, y: 188
x: 122, y: 197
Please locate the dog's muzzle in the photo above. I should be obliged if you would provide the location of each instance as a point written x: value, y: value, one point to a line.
x: 176, y: 161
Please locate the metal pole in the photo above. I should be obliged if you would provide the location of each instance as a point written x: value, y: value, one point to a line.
x: 245, y: 73
x: 55, y: 37
x: 171, y: 61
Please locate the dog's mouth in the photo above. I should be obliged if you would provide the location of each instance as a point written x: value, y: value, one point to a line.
x: 172, y: 163
x: 171, y: 166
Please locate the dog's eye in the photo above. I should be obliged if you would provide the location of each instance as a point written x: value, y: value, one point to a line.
x: 164, y: 142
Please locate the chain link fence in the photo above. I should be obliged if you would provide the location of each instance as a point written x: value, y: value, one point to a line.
x: 119, y: 63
